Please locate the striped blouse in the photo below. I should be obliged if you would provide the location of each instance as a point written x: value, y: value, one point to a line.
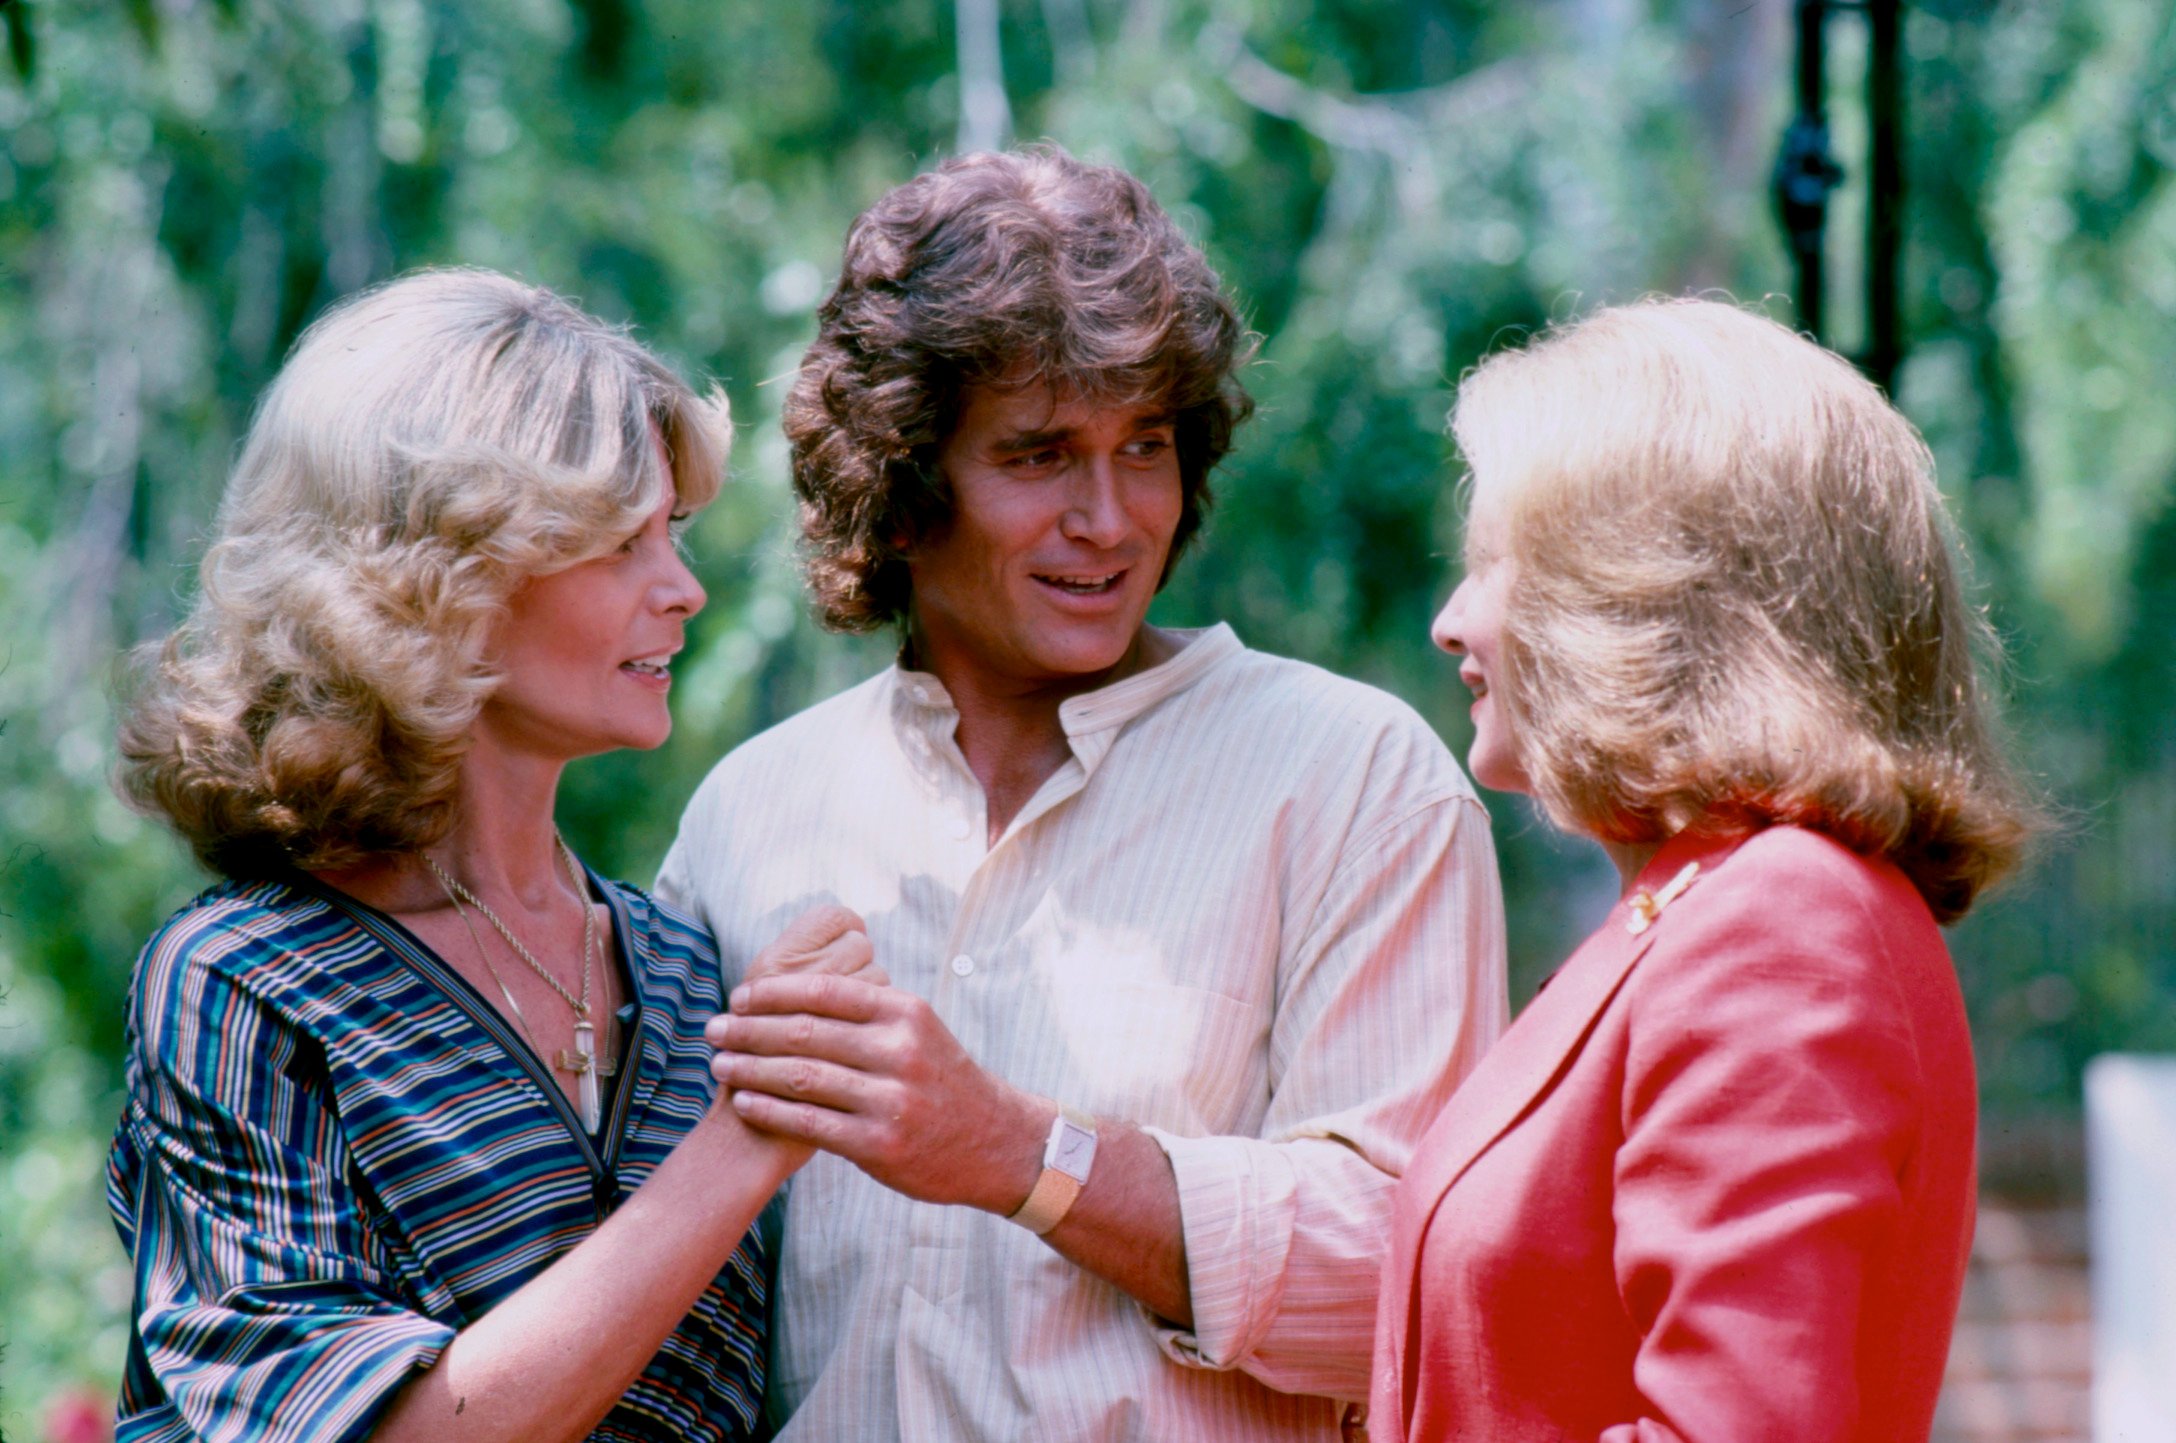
x: 335, y: 1154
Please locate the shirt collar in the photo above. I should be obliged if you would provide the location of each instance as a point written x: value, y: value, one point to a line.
x: 1093, y: 719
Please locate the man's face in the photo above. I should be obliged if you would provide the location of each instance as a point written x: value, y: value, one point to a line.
x: 1063, y: 515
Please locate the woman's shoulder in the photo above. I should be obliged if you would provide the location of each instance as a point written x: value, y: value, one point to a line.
x: 659, y: 924
x: 237, y: 925
x: 1787, y: 910
x: 1806, y: 984
x: 1786, y: 877
x: 237, y: 943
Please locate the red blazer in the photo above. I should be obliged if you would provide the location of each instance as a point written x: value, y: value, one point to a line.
x: 1714, y: 1185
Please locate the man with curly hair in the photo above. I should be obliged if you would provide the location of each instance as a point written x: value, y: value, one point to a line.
x: 1188, y: 941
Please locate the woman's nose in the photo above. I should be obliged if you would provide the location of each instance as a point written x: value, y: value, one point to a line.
x: 683, y: 593
x: 1449, y: 627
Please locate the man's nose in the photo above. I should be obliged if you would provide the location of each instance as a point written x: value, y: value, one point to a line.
x: 1095, y: 508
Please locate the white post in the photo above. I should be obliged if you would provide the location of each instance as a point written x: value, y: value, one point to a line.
x: 2130, y: 1119
x: 985, y: 115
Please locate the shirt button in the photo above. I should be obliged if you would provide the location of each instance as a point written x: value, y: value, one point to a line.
x: 961, y: 828
x: 962, y: 965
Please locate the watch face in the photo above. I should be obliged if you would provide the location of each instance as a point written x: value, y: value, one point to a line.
x: 1072, y: 1151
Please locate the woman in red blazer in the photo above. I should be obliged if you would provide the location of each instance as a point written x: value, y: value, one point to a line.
x: 1716, y: 1182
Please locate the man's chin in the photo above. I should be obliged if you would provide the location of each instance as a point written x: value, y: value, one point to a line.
x: 1097, y: 659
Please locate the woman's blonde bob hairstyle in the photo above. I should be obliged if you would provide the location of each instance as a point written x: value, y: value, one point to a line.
x: 1736, y: 598
x: 428, y: 446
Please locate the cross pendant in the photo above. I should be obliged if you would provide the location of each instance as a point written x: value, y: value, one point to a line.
x: 587, y: 1067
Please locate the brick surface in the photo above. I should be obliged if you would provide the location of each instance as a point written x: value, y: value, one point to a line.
x: 2020, y: 1364
x: 2055, y: 1294
x: 2022, y: 1348
x: 1984, y: 1412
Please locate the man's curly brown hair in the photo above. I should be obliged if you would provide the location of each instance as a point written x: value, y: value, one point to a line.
x: 994, y: 269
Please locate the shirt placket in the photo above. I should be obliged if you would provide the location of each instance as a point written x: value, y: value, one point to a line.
x: 953, y: 830
x: 978, y: 941
x: 993, y: 887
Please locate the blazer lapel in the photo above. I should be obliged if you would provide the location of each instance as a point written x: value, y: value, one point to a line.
x: 1527, y: 1060
x: 1529, y: 1057
x: 1518, y: 1071
x: 1523, y: 1065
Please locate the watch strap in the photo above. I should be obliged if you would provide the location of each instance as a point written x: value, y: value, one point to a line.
x: 1055, y: 1191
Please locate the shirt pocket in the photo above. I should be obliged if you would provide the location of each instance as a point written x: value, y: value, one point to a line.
x: 1166, y: 1055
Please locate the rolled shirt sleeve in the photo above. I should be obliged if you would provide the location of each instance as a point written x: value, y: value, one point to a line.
x: 1388, y: 999
x: 265, y: 1309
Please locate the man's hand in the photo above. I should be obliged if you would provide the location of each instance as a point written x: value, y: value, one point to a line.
x: 825, y: 938
x: 868, y: 1072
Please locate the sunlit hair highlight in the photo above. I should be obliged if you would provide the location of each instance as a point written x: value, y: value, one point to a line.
x: 994, y: 269
x: 428, y: 446
x: 1737, y: 598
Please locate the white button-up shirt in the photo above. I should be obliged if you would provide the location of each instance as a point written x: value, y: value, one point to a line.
x: 1256, y: 912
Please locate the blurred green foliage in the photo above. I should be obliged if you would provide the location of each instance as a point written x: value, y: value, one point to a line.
x: 1391, y: 188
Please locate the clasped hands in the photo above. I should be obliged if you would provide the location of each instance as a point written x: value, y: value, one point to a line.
x: 820, y: 1048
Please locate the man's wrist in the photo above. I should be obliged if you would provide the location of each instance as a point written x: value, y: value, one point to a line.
x: 1069, y: 1153
x: 1021, y: 1161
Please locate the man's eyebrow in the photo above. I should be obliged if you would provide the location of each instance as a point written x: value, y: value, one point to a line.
x: 1034, y: 440
x: 1058, y: 435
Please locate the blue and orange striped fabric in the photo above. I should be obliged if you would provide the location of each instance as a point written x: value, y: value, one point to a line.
x: 335, y: 1154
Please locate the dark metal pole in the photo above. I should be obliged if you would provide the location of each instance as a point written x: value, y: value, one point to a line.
x: 1885, y: 200
x: 22, y: 40
x: 1805, y: 171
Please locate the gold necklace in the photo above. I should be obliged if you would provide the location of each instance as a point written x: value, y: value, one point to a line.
x: 583, y: 1061
x: 513, y: 1004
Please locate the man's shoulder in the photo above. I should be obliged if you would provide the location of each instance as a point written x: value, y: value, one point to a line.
x: 842, y: 719
x: 1291, y: 704
x: 1265, y: 678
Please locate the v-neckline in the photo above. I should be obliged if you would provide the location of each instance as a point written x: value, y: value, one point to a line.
x: 600, y: 1153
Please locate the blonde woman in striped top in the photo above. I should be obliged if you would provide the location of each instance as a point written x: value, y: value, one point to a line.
x: 419, y: 1141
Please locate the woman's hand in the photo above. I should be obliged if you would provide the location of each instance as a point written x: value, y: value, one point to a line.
x: 825, y: 938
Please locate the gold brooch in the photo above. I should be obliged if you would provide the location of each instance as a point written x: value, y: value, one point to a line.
x: 1647, y: 906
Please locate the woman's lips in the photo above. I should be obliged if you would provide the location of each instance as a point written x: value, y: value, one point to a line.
x: 654, y: 672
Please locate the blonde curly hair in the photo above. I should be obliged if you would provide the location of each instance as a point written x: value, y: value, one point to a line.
x: 428, y: 446
x: 1736, y: 597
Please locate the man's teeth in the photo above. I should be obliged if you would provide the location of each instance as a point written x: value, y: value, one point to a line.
x: 1084, y: 585
x: 654, y: 665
